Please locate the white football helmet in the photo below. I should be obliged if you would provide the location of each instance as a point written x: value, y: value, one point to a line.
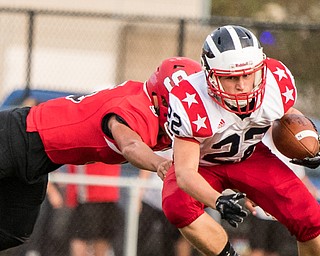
x: 234, y: 51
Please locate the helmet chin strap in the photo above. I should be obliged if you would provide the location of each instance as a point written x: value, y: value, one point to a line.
x: 232, y: 103
x: 251, y: 105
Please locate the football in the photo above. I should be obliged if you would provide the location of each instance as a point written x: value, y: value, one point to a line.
x: 295, y: 136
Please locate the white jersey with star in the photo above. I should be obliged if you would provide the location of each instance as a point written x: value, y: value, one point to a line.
x: 224, y: 136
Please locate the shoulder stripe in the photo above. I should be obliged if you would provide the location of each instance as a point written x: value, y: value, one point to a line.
x: 285, y: 82
x: 193, y: 105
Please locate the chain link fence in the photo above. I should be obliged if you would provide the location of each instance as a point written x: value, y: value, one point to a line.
x: 78, y: 51
x: 81, y: 52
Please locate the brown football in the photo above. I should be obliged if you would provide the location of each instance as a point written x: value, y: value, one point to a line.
x: 295, y: 136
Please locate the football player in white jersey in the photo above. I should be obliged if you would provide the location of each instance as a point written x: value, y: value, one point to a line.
x: 218, y: 118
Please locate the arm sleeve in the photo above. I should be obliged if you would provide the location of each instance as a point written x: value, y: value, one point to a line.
x: 105, y: 127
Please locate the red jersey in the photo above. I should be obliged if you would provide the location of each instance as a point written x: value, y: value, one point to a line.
x: 71, y: 127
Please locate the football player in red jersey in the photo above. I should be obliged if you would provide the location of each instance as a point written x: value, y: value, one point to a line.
x: 125, y: 123
x: 218, y: 118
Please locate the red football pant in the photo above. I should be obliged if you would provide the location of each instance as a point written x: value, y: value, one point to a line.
x: 265, y: 179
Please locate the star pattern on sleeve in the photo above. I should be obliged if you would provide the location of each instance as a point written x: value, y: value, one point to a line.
x: 283, y: 81
x: 195, y: 112
x: 280, y: 73
x: 200, y: 122
x: 190, y: 99
x: 288, y: 94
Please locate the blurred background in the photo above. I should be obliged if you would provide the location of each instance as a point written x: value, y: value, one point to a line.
x: 54, y: 48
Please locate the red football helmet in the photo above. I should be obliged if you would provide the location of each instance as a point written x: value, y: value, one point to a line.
x: 234, y: 51
x: 170, y: 72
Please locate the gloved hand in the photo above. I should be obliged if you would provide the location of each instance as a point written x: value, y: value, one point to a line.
x: 230, y: 209
x: 310, y: 162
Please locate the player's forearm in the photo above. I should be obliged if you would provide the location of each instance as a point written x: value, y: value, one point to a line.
x: 141, y: 156
x: 133, y: 148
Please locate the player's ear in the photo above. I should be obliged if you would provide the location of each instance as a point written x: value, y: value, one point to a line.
x: 155, y: 100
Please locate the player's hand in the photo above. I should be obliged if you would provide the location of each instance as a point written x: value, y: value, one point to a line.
x: 163, y: 168
x: 310, y: 162
x: 250, y: 206
x: 230, y: 208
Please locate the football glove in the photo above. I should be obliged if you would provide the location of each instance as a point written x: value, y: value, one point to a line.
x: 230, y: 208
x: 310, y: 162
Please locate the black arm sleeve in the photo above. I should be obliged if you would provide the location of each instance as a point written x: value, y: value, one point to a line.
x: 105, y: 121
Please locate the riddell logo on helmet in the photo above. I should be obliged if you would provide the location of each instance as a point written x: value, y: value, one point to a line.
x: 239, y: 65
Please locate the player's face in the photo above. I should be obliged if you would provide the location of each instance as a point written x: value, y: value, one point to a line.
x: 237, y: 84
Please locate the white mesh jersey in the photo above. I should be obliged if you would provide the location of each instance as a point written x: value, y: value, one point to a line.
x: 223, y: 136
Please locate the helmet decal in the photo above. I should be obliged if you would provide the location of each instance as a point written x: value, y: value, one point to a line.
x: 170, y: 72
